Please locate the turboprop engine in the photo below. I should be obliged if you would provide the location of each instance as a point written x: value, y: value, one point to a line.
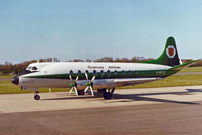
x: 96, y: 84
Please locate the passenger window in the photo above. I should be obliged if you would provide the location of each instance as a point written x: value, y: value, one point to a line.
x: 79, y: 72
x: 123, y: 72
x: 71, y: 72
x: 108, y: 73
x: 129, y: 72
x: 94, y: 72
x: 115, y: 72
x: 87, y: 72
x: 102, y: 73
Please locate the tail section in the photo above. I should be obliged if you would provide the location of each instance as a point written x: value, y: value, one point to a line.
x: 169, y: 56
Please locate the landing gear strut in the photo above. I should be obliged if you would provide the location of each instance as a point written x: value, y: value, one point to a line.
x: 36, y: 97
x: 109, y: 94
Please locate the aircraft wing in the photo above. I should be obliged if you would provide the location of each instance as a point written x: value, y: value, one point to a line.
x: 134, y: 81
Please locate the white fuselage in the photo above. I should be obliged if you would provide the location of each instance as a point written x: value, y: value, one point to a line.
x: 56, y: 75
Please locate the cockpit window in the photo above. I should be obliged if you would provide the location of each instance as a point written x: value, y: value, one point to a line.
x: 34, y: 68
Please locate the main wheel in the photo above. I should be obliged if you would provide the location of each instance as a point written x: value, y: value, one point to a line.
x: 108, y: 95
x: 81, y: 92
x: 36, y: 97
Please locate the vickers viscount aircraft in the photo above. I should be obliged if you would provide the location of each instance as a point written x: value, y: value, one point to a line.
x: 103, y: 77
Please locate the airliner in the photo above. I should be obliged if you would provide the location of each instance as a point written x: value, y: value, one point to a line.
x: 104, y: 77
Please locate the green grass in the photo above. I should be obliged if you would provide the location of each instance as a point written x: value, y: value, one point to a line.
x: 172, y: 81
x: 192, y: 69
x: 6, y: 87
x: 6, y: 76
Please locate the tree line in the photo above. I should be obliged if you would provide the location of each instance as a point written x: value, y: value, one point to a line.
x: 9, y: 68
x: 110, y: 59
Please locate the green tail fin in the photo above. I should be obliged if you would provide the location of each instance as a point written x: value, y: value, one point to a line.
x: 169, y: 56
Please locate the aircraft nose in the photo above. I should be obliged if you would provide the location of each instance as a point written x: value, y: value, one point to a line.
x: 15, y: 80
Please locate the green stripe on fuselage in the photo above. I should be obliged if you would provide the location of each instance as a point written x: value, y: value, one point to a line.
x: 128, y: 74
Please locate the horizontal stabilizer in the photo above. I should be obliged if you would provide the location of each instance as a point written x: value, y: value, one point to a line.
x: 186, y: 64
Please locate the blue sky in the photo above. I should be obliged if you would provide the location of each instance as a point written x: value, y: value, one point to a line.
x: 81, y: 29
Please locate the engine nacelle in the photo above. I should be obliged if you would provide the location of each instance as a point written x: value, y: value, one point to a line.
x: 101, y: 84
x: 96, y: 84
x: 81, y: 85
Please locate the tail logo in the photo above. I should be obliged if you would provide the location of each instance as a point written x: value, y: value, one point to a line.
x: 171, y: 51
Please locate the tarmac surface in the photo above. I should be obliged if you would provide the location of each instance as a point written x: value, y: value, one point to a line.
x: 151, y: 111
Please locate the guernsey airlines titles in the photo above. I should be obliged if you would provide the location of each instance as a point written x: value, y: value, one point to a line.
x: 103, y: 77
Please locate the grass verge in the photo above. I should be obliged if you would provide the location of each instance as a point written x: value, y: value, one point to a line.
x: 172, y: 81
x: 192, y: 69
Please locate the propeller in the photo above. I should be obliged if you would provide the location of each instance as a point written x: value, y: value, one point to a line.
x: 73, y: 85
x: 89, y: 84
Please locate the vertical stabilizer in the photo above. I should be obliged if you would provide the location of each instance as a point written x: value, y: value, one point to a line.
x: 169, y: 56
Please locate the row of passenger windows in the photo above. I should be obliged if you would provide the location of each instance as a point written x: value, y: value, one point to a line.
x: 102, y: 72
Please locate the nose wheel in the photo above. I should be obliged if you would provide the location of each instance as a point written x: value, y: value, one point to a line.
x: 36, y: 97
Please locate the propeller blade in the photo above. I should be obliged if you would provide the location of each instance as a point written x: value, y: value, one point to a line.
x: 86, y: 89
x: 73, y: 85
x: 93, y: 78
x: 77, y: 78
x: 76, y: 91
x: 89, y: 84
x: 91, y: 91
x: 71, y: 90
x: 86, y: 76
x: 70, y: 77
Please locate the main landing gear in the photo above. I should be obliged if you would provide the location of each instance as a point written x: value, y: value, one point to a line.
x: 108, y: 94
x: 81, y: 92
x: 36, y: 97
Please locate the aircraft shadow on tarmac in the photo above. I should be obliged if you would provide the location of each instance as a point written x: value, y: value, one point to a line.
x: 138, y: 97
